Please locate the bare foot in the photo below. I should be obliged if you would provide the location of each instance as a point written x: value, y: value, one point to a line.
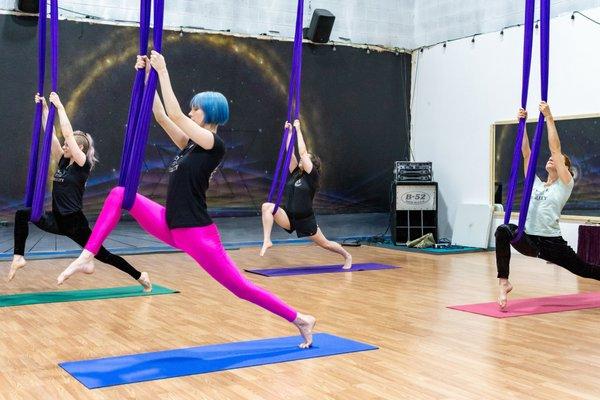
x: 83, y: 264
x: 305, y: 324
x: 18, y: 262
x: 145, y: 282
x: 266, y: 246
x: 348, y: 263
x: 505, y: 288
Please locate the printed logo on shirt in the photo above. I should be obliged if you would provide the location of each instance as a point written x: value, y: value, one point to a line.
x: 298, y: 183
x: 174, y: 164
x: 177, y: 160
x: 540, y: 195
x: 59, y: 175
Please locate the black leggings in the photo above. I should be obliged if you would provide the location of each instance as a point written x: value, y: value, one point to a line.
x: 74, y: 226
x: 552, y: 249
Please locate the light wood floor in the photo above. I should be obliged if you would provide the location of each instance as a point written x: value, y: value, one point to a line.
x: 426, y: 351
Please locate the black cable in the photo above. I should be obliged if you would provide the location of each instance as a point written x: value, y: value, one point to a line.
x: 95, y: 17
x: 181, y: 27
x: 584, y: 16
x: 411, y: 155
x: 221, y: 170
x: 407, y: 104
x: 381, y: 237
x: 88, y: 16
x: 472, y: 36
x: 503, y: 29
x: 244, y: 157
x: 164, y: 172
x: 391, y: 206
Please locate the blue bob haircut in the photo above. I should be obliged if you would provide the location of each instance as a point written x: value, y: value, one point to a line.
x: 214, y: 105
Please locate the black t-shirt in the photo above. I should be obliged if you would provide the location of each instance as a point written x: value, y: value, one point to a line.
x: 69, y: 185
x: 189, y: 176
x: 300, y: 191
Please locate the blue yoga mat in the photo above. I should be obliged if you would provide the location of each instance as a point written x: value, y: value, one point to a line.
x: 121, y: 370
x: 319, y: 269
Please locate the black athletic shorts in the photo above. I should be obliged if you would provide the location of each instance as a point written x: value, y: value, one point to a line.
x: 304, y: 227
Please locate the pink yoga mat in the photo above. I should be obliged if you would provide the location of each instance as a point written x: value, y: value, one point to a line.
x: 539, y: 305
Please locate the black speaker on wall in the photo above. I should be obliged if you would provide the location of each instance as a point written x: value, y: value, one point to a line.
x: 320, y: 26
x: 28, y: 6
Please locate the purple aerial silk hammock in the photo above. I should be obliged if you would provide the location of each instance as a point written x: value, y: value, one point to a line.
x: 37, y: 120
x: 293, y: 112
x: 537, y: 139
x: 140, y: 108
x: 138, y: 119
x: 136, y: 92
x: 516, y: 162
x: 41, y: 167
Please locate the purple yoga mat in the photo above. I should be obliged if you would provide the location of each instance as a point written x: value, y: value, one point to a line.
x: 539, y: 305
x: 319, y: 269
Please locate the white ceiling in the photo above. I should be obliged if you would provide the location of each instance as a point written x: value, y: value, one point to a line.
x: 406, y: 24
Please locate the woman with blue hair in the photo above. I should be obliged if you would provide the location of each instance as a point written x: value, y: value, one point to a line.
x: 184, y: 223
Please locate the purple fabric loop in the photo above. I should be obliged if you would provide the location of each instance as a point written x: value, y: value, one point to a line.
x: 535, y: 147
x: 37, y: 207
x: 516, y: 162
x: 293, y: 113
x: 136, y: 92
x: 294, y: 83
x: 37, y: 120
x: 140, y: 136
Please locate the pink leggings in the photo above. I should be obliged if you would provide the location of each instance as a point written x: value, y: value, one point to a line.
x: 202, y: 243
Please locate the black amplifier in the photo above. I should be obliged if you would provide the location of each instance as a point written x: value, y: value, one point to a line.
x: 419, y: 178
x: 406, y: 171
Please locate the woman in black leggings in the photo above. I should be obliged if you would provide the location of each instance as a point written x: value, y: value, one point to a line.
x: 542, y: 237
x: 76, y: 158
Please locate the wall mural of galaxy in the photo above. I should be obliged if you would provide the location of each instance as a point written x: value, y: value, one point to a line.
x: 355, y: 112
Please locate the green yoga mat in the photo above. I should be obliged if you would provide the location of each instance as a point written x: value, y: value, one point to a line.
x: 437, y: 251
x: 25, y: 299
